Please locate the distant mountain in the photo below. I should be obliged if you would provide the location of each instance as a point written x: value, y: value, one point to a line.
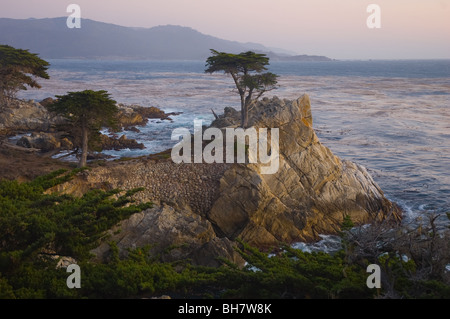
x: 51, y: 38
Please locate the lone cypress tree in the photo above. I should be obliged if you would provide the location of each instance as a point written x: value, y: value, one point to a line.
x: 246, y: 70
x: 19, y: 69
x: 87, y: 111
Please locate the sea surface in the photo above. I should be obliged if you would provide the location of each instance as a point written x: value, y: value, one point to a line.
x: 393, y: 117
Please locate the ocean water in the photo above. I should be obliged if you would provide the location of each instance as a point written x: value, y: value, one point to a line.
x: 393, y: 117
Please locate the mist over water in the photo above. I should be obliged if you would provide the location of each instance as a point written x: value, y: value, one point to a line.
x: 393, y: 117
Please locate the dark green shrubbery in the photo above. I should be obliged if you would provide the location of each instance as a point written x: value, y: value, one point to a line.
x: 35, y: 226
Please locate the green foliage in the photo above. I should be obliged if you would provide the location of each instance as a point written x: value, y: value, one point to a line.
x: 33, y: 223
x: 94, y: 108
x: 296, y: 274
x: 19, y: 69
x: 134, y: 276
x: 6, y: 290
x: 236, y: 63
x: 87, y: 112
x: 347, y: 223
x: 246, y: 70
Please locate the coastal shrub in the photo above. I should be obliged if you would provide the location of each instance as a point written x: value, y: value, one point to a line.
x: 413, y: 258
x: 36, y: 226
x: 293, y: 273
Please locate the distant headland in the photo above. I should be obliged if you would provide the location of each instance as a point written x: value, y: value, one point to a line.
x: 97, y: 40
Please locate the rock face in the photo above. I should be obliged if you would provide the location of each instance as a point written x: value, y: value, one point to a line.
x: 122, y: 142
x: 311, y: 192
x: 25, y: 116
x: 134, y: 115
x: 208, y: 206
x: 187, y: 234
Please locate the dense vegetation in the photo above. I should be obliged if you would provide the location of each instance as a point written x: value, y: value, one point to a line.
x: 86, y: 112
x: 19, y: 69
x: 35, y: 226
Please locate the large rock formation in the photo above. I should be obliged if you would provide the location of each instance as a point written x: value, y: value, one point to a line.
x: 207, y: 206
x: 311, y: 192
x: 187, y: 235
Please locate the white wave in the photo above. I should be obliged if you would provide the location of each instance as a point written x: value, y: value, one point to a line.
x: 328, y: 244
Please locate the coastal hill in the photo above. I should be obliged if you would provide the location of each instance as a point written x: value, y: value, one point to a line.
x: 52, y: 39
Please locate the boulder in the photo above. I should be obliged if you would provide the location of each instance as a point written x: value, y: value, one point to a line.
x: 24, y: 141
x: 127, y: 117
x: 208, y: 255
x: 171, y: 233
x: 229, y: 118
x: 66, y: 144
x: 25, y: 116
x: 42, y: 141
x: 48, y: 101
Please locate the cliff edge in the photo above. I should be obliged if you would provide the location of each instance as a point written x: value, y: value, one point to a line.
x: 200, y: 209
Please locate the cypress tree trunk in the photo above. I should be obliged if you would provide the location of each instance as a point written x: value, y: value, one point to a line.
x: 245, y: 116
x: 243, y: 112
x: 246, y: 105
x: 84, y: 147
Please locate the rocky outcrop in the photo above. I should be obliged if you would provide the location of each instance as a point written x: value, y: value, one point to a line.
x: 25, y: 116
x: 109, y: 143
x: 310, y: 194
x: 172, y: 234
x: 42, y: 141
x: 47, y: 128
x: 128, y: 117
x: 134, y: 115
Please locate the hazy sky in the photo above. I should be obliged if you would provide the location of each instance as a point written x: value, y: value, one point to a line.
x: 409, y: 28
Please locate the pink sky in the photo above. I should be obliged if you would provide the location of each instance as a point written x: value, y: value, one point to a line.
x: 410, y: 28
